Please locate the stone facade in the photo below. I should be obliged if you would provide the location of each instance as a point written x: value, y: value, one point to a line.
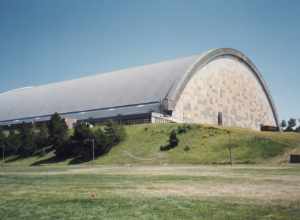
x: 225, y: 86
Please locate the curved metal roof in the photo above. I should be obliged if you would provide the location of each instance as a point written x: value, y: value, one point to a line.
x: 139, y: 86
x: 145, y: 84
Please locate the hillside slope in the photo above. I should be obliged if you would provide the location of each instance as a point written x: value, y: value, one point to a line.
x: 198, y: 144
x: 202, y: 145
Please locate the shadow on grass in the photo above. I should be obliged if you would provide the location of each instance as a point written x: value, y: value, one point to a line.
x: 14, y: 159
x: 50, y: 160
x: 73, y: 160
x: 78, y: 160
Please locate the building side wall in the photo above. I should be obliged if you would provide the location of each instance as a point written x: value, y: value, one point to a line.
x: 225, y: 85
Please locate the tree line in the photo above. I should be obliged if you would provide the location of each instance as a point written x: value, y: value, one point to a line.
x: 290, y: 125
x: 29, y: 139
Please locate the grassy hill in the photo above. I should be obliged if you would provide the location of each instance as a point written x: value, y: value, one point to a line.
x: 199, y: 144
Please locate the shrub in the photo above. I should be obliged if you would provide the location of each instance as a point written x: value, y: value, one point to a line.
x: 115, y: 133
x: 183, y: 128
x: 186, y: 148
x: 173, y: 142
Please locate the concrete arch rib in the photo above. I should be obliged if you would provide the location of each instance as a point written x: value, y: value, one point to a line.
x: 174, y: 95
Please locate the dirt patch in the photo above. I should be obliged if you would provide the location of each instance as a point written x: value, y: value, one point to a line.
x: 265, y: 192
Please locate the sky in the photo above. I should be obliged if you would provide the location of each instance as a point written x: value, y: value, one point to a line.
x: 43, y: 41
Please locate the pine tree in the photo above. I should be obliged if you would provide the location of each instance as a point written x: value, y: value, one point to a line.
x: 283, y: 124
x: 27, y: 138
x: 82, y: 139
x: 291, y: 124
x: 82, y: 133
x: 2, y: 141
x: 42, y: 139
x: 114, y: 133
x: 298, y: 128
x: 58, y: 132
x: 13, y: 142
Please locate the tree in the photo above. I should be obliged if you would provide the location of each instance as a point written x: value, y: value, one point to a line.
x: 298, y: 128
x: 291, y: 124
x: 283, y: 124
x: 82, y: 132
x: 2, y: 142
x: 58, y: 132
x: 115, y: 133
x: 100, y: 141
x: 13, y: 142
x: 27, y: 140
x: 42, y: 137
x: 82, y: 140
x: 2, y: 137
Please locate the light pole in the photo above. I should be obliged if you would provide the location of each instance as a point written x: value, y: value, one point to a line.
x: 3, y: 155
x: 93, y: 143
x: 230, y: 148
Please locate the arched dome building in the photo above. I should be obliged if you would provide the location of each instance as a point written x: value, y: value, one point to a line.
x: 221, y: 86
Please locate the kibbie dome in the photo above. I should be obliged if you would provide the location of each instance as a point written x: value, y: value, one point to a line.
x: 221, y: 86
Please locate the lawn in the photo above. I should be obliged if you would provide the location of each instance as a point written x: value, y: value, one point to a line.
x: 150, y: 192
x: 199, y: 144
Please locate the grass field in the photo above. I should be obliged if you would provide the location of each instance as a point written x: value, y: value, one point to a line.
x: 136, y: 180
x: 205, y: 144
x: 150, y: 192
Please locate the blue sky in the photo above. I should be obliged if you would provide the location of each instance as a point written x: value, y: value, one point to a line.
x: 44, y: 41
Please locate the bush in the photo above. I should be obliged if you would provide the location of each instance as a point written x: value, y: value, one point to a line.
x: 173, y: 142
x: 183, y: 128
x: 114, y: 133
x: 186, y: 148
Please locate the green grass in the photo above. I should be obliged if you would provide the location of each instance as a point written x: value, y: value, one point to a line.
x: 207, y: 145
x: 154, y: 208
x: 105, y: 192
x: 135, y: 180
